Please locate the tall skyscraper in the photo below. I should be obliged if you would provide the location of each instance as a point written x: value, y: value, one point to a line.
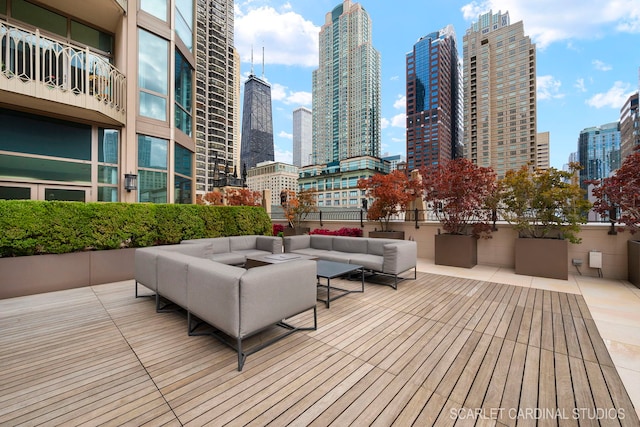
x: 629, y: 126
x: 302, y: 137
x: 599, y: 152
x: 500, y: 125
x: 346, y: 87
x: 217, y: 116
x: 434, y: 100
x: 257, y: 123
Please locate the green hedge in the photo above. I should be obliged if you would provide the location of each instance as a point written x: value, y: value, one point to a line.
x: 30, y: 227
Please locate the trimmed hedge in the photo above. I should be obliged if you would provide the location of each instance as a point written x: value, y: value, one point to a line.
x: 29, y: 227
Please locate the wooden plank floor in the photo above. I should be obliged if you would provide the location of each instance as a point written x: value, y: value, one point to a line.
x: 438, y: 351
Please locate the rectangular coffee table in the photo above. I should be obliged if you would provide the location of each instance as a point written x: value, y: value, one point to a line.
x: 330, y: 270
x: 260, y: 260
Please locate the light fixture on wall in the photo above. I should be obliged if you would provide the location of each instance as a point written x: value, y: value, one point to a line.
x: 130, y: 181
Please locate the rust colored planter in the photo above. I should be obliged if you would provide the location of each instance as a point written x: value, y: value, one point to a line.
x: 633, y: 259
x: 456, y: 250
x: 399, y: 235
x: 296, y: 231
x: 37, y: 274
x: 542, y: 258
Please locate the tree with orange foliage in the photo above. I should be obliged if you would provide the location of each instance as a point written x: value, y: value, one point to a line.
x: 297, y: 206
x: 392, y: 194
x: 211, y: 198
x: 243, y: 197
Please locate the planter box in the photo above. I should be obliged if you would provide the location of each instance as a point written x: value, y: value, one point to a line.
x: 633, y: 259
x: 296, y: 231
x: 37, y: 274
x: 542, y: 258
x: 456, y: 250
x: 387, y: 235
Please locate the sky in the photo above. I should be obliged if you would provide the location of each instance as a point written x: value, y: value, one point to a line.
x: 587, y: 53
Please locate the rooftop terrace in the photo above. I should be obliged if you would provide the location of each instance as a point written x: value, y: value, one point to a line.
x: 455, y: 347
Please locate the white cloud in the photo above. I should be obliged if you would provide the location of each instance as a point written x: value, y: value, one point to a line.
x: 548, y: 88
x: 398, y: 140
x: 394, y: 78
x: 283, y: 94
x: 285, y: 135
x: 572, y: 19
x: 384, y: 123
x: 399, y: 121
x: 284, y: 156
x: 599, y: 65
x: 288, y: 38
x: 615, y: 97
x: 400, y: 103
x: 580, y: 85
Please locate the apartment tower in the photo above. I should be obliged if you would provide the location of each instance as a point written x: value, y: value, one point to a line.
x: 434, y: 100
x: 257, y: 123
x: 216, y: 79
x: 500, y: 94
x: 302, y: 137
x: 346, y: 88
x: 599, y: 152
x: 629, y: 126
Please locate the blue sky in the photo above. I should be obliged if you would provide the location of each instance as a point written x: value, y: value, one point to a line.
x: 588, y: 57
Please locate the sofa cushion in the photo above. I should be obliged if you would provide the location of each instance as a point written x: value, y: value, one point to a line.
x: 319, y: 241
x: 376, y: 246
x: 230, y: 258
x: 238, y: 243
x: 215, y: 245
x: 369, y: 262
x: 172, y: 276
x: 350, y: 244
x: 293, y: 243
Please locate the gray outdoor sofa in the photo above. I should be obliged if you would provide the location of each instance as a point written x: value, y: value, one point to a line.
x: 378, y: 256
x: 236, y: 302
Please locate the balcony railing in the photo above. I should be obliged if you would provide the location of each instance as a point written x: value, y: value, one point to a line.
x: 46, y: 68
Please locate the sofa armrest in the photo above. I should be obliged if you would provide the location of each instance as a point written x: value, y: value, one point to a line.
x: 399, y: 257
x: 213, y: 294
x: 265, y: 298
x: 292, y: 243
x: 269, y: 244
x: 145, y: 266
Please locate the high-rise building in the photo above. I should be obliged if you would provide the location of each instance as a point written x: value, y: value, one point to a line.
x: 101, y: 100
x: 302, y: 137
x: 598, y: 152
x: 217, y: 77
x: 629, y: 126
x: 273, y: 176
x: 543, y: 160
x: 346, y: 87
x: 500, y: 124
x: 257, y: 123
x: 434, y: 100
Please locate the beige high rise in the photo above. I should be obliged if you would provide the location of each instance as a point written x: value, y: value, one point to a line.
x: 499, y: 94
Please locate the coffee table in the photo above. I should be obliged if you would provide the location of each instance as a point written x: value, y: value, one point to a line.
x: 260, y: 260
x: 330, y: 270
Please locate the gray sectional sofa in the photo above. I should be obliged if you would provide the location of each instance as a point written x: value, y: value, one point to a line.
x: 236, y: 302
x: 234, y: 250
x: 379, y: 256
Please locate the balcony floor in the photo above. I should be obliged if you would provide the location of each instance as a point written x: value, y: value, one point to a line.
x: 467, y: 347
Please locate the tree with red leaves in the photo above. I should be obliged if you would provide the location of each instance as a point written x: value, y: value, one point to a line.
x: 460, y: 194
x: 215, y: 198
x: 621, y: 191
x: 392, y: 194
x: 243, y: 197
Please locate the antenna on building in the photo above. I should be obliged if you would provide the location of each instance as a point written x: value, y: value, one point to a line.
x: 251, y: 73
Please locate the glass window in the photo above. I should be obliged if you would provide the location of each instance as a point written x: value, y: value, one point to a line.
x: 157, y: 8
x: 183, y: 89
x: 44, y: 169
x: 91, y: 37
x: 184, y: 22
x: 108, y: 145
x: 14, y: 193
x: 183, y: 161
x: 152, y: 152
x: 39, y: 17
x: 107, y: 194
x: 3, y: 7
x: 153, y: 72
x: 152, y: 186
x: 30, y: 134
x: 182, y: 190
x: 107, y: 175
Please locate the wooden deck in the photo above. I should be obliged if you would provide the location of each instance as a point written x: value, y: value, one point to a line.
x: 438, y: 351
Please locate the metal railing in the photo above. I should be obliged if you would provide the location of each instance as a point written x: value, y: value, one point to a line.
x: 28, y: 56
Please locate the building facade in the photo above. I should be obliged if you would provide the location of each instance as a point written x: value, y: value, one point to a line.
x: 336, y: 183
x: 434, y: 100
x: 273, y: 176
x: 500, y: 120
x: 103, y: 108
x: 598, y: 152
x: 217, y: 81
x: 257, y: 123
x: 543, y: 160
x: 629, y: 126
x: 302, y: 137
x: 346, y: 88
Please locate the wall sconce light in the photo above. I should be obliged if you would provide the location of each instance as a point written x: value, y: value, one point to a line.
x: 130, y: 181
